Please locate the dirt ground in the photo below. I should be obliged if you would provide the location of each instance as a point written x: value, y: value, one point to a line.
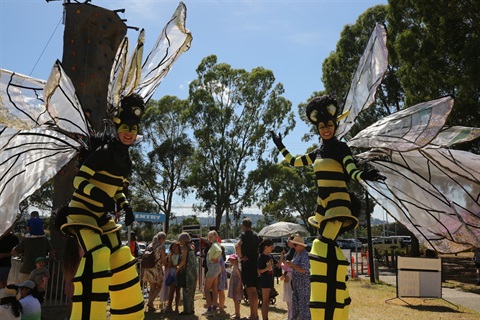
x: 458, y: 272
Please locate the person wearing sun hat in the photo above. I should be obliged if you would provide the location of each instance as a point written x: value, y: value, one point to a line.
x: 333, y: 165
x: 10, y: 307
x: 31, y: 307
x: 300, y: 265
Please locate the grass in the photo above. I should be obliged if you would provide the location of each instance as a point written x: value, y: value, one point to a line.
x: 369, y: 302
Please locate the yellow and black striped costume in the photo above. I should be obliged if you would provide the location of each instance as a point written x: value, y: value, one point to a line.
x: 329, y: 298
x: 108, y: 268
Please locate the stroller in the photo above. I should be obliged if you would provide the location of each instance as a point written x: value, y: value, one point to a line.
x: 273, y: 295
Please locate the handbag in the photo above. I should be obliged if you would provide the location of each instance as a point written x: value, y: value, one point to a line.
x: 170, y: 278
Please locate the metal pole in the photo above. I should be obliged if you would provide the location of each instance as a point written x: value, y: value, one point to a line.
x: 369, y: 236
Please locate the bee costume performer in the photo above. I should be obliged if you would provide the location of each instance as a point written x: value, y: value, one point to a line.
x: 332, y: 162
x: 107, y: 267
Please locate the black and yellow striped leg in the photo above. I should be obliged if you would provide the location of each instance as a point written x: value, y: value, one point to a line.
x: 92, y: 278
x: 126, y: 299
x: 329, y: 298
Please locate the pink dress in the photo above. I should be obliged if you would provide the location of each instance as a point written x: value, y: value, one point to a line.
x: 235, y: 288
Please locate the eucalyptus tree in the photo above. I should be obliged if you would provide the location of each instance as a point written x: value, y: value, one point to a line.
x: 436, y: 46
x: 161, y: 159
x: 231, y: 113
x: 287, y: 193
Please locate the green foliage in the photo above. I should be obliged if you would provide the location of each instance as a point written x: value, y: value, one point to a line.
x: 339, y: 67
x: 288, y: 193
x: 435, y: 50
x: 161, y: 162
x: 231, y: 113
x: 190, y: 221
x: 41, y: 198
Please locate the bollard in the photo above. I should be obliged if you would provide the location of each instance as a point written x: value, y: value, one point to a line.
x: 368, y: 265
x: 353, y: 266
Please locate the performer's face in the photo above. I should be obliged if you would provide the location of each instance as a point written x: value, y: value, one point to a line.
x: 127, y: 134
x: 326, y: 130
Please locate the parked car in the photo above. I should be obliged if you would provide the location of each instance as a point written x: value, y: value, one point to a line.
x: 382, y: 244
x: 142, y: 246
x: 349, y: 244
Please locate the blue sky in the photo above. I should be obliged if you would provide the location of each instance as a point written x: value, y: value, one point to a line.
x: 292, y: 38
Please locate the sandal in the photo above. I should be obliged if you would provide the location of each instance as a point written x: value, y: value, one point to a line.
x: 151, y: 308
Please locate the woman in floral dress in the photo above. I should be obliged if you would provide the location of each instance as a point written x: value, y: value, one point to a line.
x: 300, y: 265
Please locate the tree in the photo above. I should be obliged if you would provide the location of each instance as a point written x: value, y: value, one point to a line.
x: 231, y: 113
x: 288, y: 193
x: 435, y: 46
x: 339, y: 67
x: 161, y: 162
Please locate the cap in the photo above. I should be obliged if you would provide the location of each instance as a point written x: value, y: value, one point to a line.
x: 38, y: 259
x: 26, y: 284
x: 233, y: 257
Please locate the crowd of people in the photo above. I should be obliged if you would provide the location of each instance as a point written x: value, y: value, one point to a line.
x: 174, y: 275
x: 23, y: 300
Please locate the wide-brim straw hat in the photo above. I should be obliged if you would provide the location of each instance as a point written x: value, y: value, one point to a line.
x: 298, y: 240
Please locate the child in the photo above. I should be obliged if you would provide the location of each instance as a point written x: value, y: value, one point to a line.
x: 287, y: 288
x: 235, y: 288
x: 35, y: 225
x: 40, y: 276
x: 174, y: 290
x: 265, y: 271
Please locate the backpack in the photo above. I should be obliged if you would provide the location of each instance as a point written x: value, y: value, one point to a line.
x: 148, y: 259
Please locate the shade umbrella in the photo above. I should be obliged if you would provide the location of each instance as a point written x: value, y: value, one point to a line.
x: 282, y: 229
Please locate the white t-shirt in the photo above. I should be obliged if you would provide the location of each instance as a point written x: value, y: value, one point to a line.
x: 31, y: 308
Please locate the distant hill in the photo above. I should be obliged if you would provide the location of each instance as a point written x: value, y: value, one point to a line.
x: 208, y: 221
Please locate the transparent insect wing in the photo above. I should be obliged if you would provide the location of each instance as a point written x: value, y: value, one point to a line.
x: 174, y: 40
x: 410, y: 128
x: 22, y: 104
x: 368, y: 76
x: 28, y: 159
x: 62, y: 103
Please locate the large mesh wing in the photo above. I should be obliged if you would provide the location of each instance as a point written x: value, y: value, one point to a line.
x: 410, y: 128
x: 368, y: 76
x: 28, y: 159
x: 174, y: 40
x: 434, y: 192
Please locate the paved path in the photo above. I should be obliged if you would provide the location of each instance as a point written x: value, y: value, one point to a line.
x: 460, y: 298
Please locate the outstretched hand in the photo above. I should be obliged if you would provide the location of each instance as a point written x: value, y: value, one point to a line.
x: 372, y: 175
x: 277, y: 139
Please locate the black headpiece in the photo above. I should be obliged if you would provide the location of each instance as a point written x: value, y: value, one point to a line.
x: 130, y: 110
x: 322, y: 109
